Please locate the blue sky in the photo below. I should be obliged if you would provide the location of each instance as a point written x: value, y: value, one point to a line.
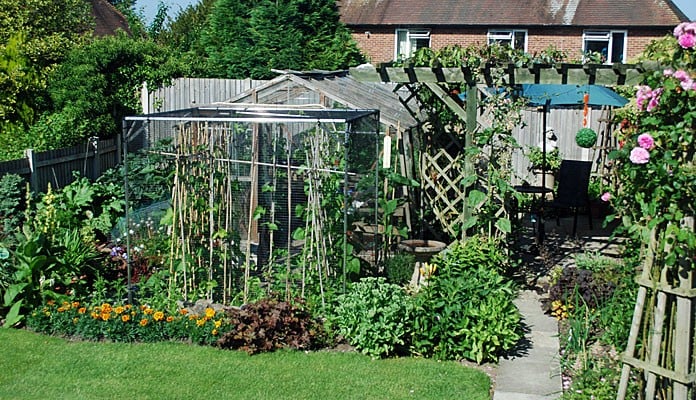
x: 175, y: 6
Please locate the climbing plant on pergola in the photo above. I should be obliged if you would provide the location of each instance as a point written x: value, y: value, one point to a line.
x: 670, y: 335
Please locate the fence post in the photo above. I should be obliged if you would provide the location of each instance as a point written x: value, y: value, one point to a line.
x: 33, y: 179
x: 96, y: 162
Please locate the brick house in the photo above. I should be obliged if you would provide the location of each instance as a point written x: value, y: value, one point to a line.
x: 619, y: 30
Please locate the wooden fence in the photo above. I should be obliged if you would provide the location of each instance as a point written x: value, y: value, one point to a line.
x: 194, y: 92
x: 57, y: 167
x: 565, y: 123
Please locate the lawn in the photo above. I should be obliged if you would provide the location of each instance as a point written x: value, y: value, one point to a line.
x: 42, y: 367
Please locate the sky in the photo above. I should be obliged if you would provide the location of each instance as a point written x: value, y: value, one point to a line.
x: 175, y: 6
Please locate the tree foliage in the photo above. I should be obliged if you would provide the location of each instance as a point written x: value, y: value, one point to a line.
x: 34, y: 36
x: 247, y: 38
x: 98, y: 84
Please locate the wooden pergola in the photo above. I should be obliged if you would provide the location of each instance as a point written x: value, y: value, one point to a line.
x: 663, y: 310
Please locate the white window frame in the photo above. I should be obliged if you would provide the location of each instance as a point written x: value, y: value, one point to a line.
x: 498, y: 35
x: 597, y: 35
x: 411, y: 34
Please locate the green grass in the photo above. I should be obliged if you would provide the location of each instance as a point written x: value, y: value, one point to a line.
x: 42, y: 367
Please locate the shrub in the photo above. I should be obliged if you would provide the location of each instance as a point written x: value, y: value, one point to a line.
x: 270, y: 324
x: 373, y: 316
x: 399, y: 268
x: 581, y: 285
x: 466, y: 309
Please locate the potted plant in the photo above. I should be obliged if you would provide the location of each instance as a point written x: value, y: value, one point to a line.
x: 549, y: 166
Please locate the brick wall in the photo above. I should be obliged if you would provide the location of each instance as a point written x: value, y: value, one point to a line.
x: 378, y: 43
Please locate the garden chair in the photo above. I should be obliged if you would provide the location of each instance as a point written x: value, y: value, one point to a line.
x: 572, y: 192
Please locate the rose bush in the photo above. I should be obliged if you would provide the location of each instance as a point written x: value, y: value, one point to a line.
x: 655, y: 163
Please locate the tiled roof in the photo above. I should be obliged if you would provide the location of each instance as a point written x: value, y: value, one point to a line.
x: 108, y: 19
x: 511, y: 12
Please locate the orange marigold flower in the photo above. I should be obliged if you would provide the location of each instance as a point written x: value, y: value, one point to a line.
x: 119, y: 310
x: 148, y: 311
x: 125, y: 317
x: 82, y: 310
x: 192, y: 317
x: 65, y: 303
x: 143, y: 322
x: 158, y: 316
x: 170, y: 318
x: 128, y: 306
x: 105, y: 316
x: 75, y: 304
x: 209, y: 312
x: 143, y: 307
x: 61, y: 309
x: 200, y: 322
x: 51, y: 302
x: 183, y: 311
x: 106, y: 308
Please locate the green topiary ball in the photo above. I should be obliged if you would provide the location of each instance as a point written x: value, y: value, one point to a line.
x: 586, y: 137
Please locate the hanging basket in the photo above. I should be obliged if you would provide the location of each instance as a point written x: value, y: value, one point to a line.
x: 586, y: 138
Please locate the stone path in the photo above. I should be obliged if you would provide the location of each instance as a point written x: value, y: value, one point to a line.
x: 532, y: 370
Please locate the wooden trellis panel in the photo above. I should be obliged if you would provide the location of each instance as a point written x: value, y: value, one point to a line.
x: 664, y: 312
x: 442, y: 176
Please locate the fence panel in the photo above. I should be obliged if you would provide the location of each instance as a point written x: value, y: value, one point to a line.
x: 193, y: 92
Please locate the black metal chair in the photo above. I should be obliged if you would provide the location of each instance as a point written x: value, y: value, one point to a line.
x: 571, y: 194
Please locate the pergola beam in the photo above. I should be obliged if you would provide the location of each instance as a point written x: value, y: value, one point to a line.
x: 574, y: 74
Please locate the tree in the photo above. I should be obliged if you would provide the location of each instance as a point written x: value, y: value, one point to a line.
x: 247, y: 38
x: 98, y: 84
x: 34, y: 37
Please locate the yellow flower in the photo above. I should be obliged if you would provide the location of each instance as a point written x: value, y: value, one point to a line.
x: 61, y: 309
x: 95, y: 315
x: 118, y: 310
x: 200, y: 322
x: 158, y: 316
x: 125, y: 317
x: 47, y: 313
x: 209, y: 312
x: 218, y: 323
x: 105, y: 316
x: 143, y: 322
x: 65, y: 304
x: 148, y: 311
x: 215, y: 332
x: 74, y: 320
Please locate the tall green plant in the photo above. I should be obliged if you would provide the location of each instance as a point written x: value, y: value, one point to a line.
x: 466, y: 308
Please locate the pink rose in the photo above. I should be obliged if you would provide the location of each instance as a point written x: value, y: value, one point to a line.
x: 687, y: 41
x: 606, y: 196
x: 681, y: 75
x: 646, y: 141
x: 654, y: 99
x: 679, y: 29
x: 639, y: 156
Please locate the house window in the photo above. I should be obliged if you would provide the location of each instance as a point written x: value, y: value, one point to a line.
x: 610, y: 46
x: 410, y: 40
x: 517, y: 39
